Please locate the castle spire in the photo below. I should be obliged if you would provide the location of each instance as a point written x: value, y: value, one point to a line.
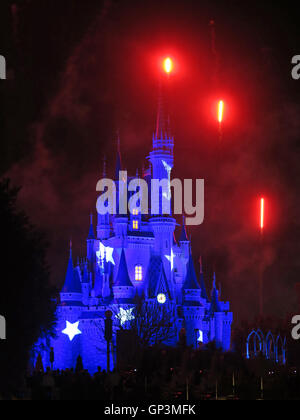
x: 215, y: 304
x: 119, y: 160
x: 183, y: 236
x: 104, y: 167
x: 72, y: 282
x: 123, y: 279
x: 191, y: 282
x: 160, y: 118
x: 162, y: 129
x: 202, y: 283
x: 91, y: 230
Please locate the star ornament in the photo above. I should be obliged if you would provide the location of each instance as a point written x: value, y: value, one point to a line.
x: 125, y: 315
x: 105, y: 252
x: 168, y: 168
x: 72, y: 330
x: 170, y: 258
x: 200, y: 338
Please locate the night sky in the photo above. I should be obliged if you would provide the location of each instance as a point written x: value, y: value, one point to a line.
x: 80, y: 71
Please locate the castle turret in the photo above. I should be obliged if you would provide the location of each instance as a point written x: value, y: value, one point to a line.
x: 106, y: 291
x: 118, y: 160
x: 123, y: 288
x: 85, y: 283
x: 202, y: 282
x: 215, y: 304
x: 191, y: 286
x: 215, y: 314
x: 90, y: 240
x: 184, y: 241
x: 72, y: 290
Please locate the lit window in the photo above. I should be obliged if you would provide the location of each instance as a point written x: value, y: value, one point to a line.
x: 135, y: 225
x: 135, y: 212
x: 138, y: 273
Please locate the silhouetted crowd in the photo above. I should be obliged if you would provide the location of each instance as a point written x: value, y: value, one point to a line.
x: 80, y: 385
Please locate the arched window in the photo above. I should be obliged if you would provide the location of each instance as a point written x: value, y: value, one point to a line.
x: 138, y: 273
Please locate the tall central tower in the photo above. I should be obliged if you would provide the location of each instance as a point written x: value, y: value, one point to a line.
x: 162, y: 162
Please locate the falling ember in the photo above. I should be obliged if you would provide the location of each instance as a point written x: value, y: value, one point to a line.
x: 220, y: 111
x: 168, y: 65
x: 262, y: 213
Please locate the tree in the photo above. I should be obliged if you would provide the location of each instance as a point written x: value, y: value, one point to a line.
x: 26, y: 298
x: 153, y: 323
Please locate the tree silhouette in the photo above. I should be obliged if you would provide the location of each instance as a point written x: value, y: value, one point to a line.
x: 26, y: 298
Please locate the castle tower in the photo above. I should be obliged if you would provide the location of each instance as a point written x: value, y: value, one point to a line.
x: 192, y: 309
x: 215, y: 314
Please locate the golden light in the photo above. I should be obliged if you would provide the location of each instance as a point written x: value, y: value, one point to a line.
x: 168, y: 65
x: 220, y: 111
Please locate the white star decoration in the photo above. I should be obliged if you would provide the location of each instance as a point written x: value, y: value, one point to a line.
x: 168, y: 168
x: 200, y: 338
x: 105, y: 251
x: 125, y: 315
x: 72, y: 330
x: 171, y: 258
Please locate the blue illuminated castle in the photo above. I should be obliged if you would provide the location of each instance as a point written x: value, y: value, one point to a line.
x: 130, y: 256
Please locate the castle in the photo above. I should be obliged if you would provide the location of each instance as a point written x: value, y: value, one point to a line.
x: 134, y: 255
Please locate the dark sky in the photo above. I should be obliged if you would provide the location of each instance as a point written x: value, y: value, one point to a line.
x: 80, y: 71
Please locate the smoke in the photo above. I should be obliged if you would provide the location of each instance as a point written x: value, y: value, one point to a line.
x: 108, y: 84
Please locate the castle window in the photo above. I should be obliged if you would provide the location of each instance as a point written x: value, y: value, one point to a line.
x: 138, y: 273
x: 135, y: 212
x: 135, y: 224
